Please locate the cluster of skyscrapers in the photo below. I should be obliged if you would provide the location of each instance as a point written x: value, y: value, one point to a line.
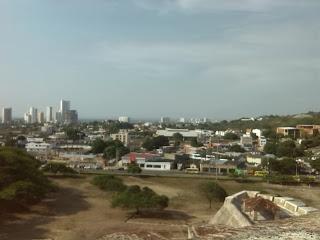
x: 64, y: 115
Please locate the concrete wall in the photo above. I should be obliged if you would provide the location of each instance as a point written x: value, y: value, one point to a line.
x: 231, y: 214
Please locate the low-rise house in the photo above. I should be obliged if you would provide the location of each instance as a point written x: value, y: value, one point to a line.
x: 146, y: 161
x: 219, y: 166
x: 288, y: 132
x: 308, y: 130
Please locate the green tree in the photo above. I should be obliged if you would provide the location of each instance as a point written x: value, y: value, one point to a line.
x: 136, y: 198
x: 270, y: 148
x: 109, y: 183
x: 315, y: 164
x: 195, y: 143
x: 98, y: 146
x: 155, y: 142
x: 21, y: 181
x: 178, y: 138
x: 237, y: 148
x: 134, y: 168
x: 231, y: 136
x: 289, y: 149
x: 213, y: 191
x: 56, y: 168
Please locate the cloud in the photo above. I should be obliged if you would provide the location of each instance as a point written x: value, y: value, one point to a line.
x: 194, y: 6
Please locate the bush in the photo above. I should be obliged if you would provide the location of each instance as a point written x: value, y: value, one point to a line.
x: 58, y: 168
x: 109, y: 183
x: 134, y: 168
x: 282, y: 179
x: 136, y: 198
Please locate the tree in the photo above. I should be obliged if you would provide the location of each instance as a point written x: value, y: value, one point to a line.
x: 155, y: 142
x: 136, y: 198
x: 270, y: 148
x: 115, y: 149
x: 178, y: 138
x: 289, y: 149
x: 134, y: 168
x: 237, y: 148
x: 72, y: 133
x: 109, y: 183
x: 285, y: 166
x: 231, y: 136
x: 195, y: 143
x: 98, y: 146
x: 58, y: 168
x: 213, y: 191
x: 21, y: 181
x: 315, y: 164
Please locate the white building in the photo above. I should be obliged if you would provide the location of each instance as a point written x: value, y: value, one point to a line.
x: 49, y: 114
x: 33, y: 114
x: 257, y: 132
x: 164, y: 120
x: 38, y: 147
x: 158, y: 165
x: 6, y: 115
x: 124, y: 119
x: 169, y: 132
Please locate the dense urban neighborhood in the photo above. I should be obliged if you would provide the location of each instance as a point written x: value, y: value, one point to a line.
x: 172, y: 172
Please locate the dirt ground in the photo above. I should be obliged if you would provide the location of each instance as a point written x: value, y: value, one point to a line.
x: 78, y: 210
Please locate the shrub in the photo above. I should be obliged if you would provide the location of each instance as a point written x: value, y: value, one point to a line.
x: 58, y: 168
x: 134, y: 168
x: 136, y: 198
x: 109, y: 183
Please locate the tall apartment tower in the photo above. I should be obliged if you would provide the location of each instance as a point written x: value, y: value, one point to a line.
x: 64, y: 110
x: 6, y: 115
x: 34, y: 114
x: 49, y: 114
x: 41, y: 117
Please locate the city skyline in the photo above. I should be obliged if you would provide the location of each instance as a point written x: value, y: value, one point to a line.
x: 152, y: 58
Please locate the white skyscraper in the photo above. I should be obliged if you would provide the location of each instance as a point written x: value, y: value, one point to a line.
x: 49, y: 114
x: 34, y: 115
x: 124, y: 119
x: 6, y: 115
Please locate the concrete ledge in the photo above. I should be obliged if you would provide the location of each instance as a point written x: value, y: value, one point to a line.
x: 266, y: 196
x: 306, y: 210
x: 280, y: 201
x: 293, y: 205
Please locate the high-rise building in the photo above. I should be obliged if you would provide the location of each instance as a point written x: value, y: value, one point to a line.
x: 6, y: 115
x: 124, y: 119
x: 49, y: 114
x: 64, y: 110
x: 34, y: 114
x: 72, y: 117
x: 27, y: 118
x: 58, y: 118
x: 164, y: 120
x: 41, y: 117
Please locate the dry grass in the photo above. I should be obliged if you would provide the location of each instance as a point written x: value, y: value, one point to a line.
x: 81, y: 211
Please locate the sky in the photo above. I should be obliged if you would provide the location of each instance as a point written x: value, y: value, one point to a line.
x: 220, y: 59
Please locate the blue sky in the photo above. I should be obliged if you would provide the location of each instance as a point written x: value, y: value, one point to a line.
x: 152, y: 58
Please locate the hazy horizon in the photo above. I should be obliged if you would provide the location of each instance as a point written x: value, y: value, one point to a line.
x: 220, y: 59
